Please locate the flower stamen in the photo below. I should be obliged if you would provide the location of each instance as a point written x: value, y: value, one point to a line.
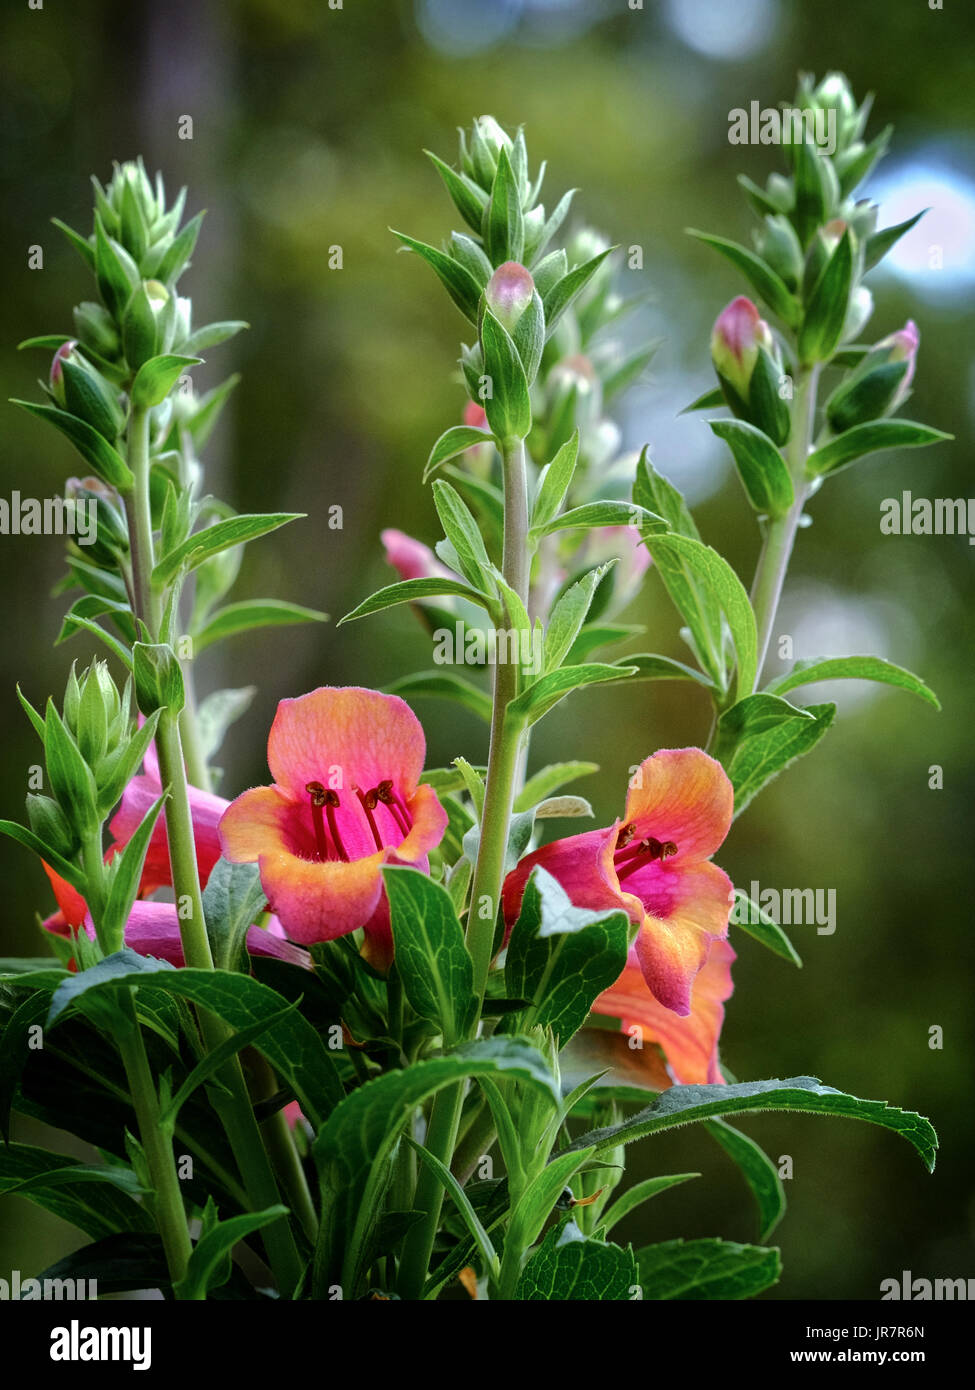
x: 317, y: 793
x: 633, y: 857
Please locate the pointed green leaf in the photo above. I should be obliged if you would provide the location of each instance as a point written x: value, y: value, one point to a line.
x: 868, y: 439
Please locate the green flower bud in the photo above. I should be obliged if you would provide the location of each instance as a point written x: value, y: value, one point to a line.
x: 96, y: 330
x: 50, y: 824
x: 821, y: 248
x: 56, y: 377
x: 487, y: 142
x: 879, y: 384
x: 779, y: 245
x: 834, y: 94
x: 142, y: 336
x: 90, y: 397
x: 158, y: 678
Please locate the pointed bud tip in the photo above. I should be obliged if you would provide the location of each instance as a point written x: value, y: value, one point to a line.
x: 509, y: 292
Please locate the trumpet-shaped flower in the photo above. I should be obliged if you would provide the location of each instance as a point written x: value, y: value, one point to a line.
x: 153, y: 930
x: 346, y: 800
x: 689, y: 1044
x: 655, y: 865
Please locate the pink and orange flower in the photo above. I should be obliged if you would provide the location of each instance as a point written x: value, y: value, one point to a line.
x: 690, y: 1044
x: 656, y: 866
x: 346, y: 800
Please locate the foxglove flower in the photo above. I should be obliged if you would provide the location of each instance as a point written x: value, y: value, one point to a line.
x: 346, y: 800
x: 656, y: 867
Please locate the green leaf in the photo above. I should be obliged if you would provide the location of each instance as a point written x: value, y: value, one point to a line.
x: 759, y: 274
x: 825, y: 315
x: 413, y: 591
x: 879, y: 243
x: 179, y: 251
x: 548, y: 780
x: 682, y: 1105
x: 47, y: 342
x: 561, y: 957
x: 603, y: 513
x: 508, y: 406
x: 451, y: 443
x: 811, y: 207
x: 84, y: 247
x: 539, y: 1199
x: 354, y: 1147
x: 468, y: 197
x: 61, y: 866
x: 462, y: 532
x: 232, y: 902
x: 431, y: 954
x: 202, y: 422
x: 456, y: 280
x: 635, y: 1196
x: 234, y: 530
x: 709, y: 400
x: 758, y: 1170
x: 216, y: 714
x: 757, y: 923
x: 564, y: 291
x: 724, y: 586
x: 209, y: 1263
x: 503, y: 222
x: 157, y: 377
x: 15, y: 1045
x: 95, y: 1207
x: 762, y: 469
x: 554, y: 482
x: 629, y: 370
x: 761, y: 735
x: 292, y: 1046
x: 652, y: 667
x: 444, y: 685
x: 212, y: 334
x: 568, y: 1266
x: 93, y: 447
x: 867, y: 668
x: 569, y: 614
x: 463, y: 1203
x: 235, y: 618
x: 546, y: 692
x: 706, y: 1269
x: 693, y: 599
x: 868, y: 439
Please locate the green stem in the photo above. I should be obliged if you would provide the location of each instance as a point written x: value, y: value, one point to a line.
x: 189, y: 728
x: 168, y: 1199
x: 235, y: 1109
x: 169, y: 1211
x: 773, y: 561
x: 502, y: 769
x: 139, y: 515
x: 232, y: 1102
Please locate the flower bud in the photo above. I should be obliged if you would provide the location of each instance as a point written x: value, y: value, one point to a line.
x: 746, y: 360
x: 739, y: 332
x: 487, y: 142
x: 879, y: 384
x: 821, y: 248
x: 158, y: 678
x: 56, y: 379
x: 86, y: 394
x: 50, y: 824
x: 96, y: 330
x: 834, y: 94
x: 141, y: 334
x: 779, y: 245
x: 508, y: 293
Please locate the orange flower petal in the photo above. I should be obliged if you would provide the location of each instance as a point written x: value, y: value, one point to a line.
x: 343, y: 737
x: 673, y: 949
x: 681, y: 795
x: 317, y: 901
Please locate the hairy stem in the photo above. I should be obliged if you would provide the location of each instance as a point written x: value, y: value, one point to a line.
x: 773, y: 562
x: 502, y: 770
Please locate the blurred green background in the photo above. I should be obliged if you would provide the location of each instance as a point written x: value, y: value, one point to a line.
x: 308, y: 125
